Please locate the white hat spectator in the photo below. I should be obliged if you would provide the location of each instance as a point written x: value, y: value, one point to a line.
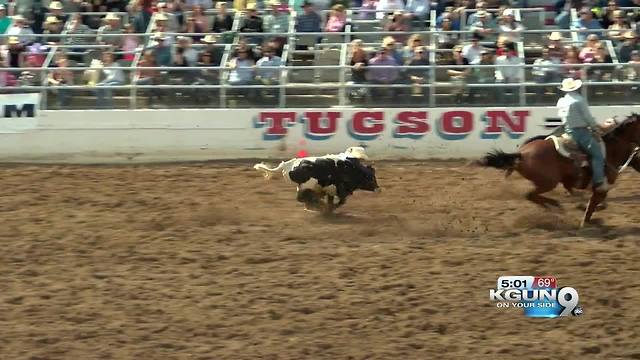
x: 55, y: 5
x: 52, y: 20
x: 555, y: 36
x: 112, y: 16
x: 209, y: 39
x: 507, y: 12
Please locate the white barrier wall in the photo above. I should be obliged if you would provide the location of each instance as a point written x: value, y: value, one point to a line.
x: 185, y: 135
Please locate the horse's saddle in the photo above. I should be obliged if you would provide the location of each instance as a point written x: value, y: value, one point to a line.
x: 570, y: 149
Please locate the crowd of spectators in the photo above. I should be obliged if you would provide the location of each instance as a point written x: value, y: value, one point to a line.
x: 34, y: 27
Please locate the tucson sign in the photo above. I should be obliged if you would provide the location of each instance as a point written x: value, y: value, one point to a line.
x: 412, y: 124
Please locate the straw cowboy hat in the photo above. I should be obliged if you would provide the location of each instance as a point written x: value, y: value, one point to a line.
x: 251, y: 6
x: 52, y: 20
x: 161, y: 17
x: 112, y: 16
x: 629, y: 35
x: 13, y: 40
x: 555, y: 36
x: 209, y: 39
x: 569, y: 85
x: 18, y: 18
x: 481, y: 14
x: 357, y: 152
x: 55, y: 5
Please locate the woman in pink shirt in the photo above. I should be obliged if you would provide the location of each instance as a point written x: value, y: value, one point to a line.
x: 588, y: 51
x: 129, y: 43
x: 337, y: 19
x: 571, y: 57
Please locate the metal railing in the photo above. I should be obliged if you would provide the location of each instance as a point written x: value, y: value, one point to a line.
x: 287, y: 94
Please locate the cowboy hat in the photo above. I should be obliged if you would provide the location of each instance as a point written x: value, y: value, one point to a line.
x: 52, y: 20
x: 569, y: 85
x: 161, y: 17
x: 481, y: 14
x: 18, y: 18
x: 55, y: 5
x: 112, y: 16
x: 507, y: 12
x: 629, y: 35
x: 357, y: 152
x: 209, y: 39
x: 556, y: 35
x: 13, y: 40
x: 251, y: 7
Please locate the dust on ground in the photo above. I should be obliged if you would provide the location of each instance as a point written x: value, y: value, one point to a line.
x: 210, y: 261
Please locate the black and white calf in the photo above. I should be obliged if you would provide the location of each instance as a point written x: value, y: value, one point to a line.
x: 330, y: 175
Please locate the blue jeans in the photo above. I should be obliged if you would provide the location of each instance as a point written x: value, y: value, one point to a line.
x: 104, y: 97
x: 586, y: 141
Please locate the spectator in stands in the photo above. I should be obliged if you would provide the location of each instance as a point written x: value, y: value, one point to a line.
x: 419, y: 12
x: 76, y: 27
x: 588, y: 51
x: 390, y: 44
x: 5, y: 21
x: 484, y: 75
x: 446, y: 40
x: 206, y: 77
x: 609, y: 14
x: 388, y: 6
x: 472, y: 52
x: 458, y: 75
x: 21, y: 30
x: 191, y: 27
x: 630, y: 44
x: 383, y: 76
x: 56, y: 8
x: 544, y: 72
x: 190, y: 54
x: 13, y: 52
x: 52, y: 26
x: 632, y: 70
x: 7, y: 79
x: 359, y: 63
x: 223, y: 21
x: 600, y: 73
x: 419, y: 76
x: 508, y: 74
x: 130, y: 42
x: 452, y: 15
x: 243, y: 45
x: 161, y: 50
x: 215, y: 52
x: 414, y: 42
x: 556, y: 49
x: 166, y: 12
x: 200, y: 20
x: 252, y: 23
x: 586, y: 24
x: 473, y: 17
x: 337, y: 19
x: 111, y: 27
x: 399, y: 22
x: 368, y: 8
x: 277, y: 21
x: 180, y: 76
x: 148, y: 76
x: 112, y: 77
x: 266, y: 74
x: 618, y: 27
x: 242, y: 71
x: 162, y: 27
x: 61, y: 76
x: 509, y: 26
x: 484, y: 28
x: 138, y: 17
x: 571, y: 58
x: 309, y: 21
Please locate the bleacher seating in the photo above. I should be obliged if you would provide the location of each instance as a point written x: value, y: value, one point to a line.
x: 316, y: 66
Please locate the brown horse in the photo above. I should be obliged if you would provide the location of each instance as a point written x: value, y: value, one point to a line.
x: 539, y: 162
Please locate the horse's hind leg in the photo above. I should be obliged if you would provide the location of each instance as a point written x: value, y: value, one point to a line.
x: 596, y: 198
x: 535, y: 197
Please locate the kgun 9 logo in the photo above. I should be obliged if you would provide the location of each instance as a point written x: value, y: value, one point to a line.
x: 538, y: 299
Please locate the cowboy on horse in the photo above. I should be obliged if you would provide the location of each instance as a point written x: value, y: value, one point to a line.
x: 580, y: 125
x: 547, y: 161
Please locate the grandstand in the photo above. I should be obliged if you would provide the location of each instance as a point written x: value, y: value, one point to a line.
x: 317, y: 54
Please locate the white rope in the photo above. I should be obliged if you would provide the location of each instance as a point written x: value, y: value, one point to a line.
x: 633, y: 154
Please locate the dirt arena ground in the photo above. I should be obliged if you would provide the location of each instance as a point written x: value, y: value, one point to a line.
x: 210, y: 261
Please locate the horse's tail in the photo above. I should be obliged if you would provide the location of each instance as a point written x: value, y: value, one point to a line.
x: 268, y: 173
x: 500, y: 160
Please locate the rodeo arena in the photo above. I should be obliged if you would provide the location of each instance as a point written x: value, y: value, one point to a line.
x: 315, y: 179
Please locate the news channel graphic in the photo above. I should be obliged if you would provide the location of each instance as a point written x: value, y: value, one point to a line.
x: 538, y: 296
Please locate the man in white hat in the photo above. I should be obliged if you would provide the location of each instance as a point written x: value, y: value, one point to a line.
x: 111, y: 26
x: 580, y: 125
